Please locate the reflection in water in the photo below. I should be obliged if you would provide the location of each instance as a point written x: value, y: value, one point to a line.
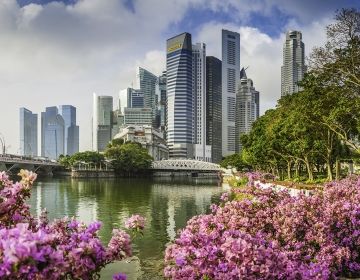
x: 166, y: 204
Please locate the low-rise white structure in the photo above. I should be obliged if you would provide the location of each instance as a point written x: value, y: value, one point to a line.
x: 149, y: 137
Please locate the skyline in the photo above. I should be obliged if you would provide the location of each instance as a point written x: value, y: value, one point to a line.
x: 61, y: 54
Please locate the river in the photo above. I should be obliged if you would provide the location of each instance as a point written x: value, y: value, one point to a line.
x: 166, y: 203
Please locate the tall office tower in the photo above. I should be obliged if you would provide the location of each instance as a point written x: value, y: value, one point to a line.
x: 180, y: 111
x: 52, y: 133
x: 214, y: 107
x: 28, y: 133
x: 293, y: 68
x: 230, y: 81
x: 247, y: 104
x: 102, y: 115
x: 131, y: 98
x: 201, y: 150
x: 162, y: 103
x: 148, y: 81
x: 68, y: 113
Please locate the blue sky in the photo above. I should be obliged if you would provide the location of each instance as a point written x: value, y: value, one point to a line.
x: 56, y: 53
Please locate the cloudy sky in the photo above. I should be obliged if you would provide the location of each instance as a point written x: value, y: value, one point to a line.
x: 60, y: 52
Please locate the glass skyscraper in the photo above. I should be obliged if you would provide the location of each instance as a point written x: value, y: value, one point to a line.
x: 247, y: 107
x: 52, y: 133
x: 293, y: 68
x: 230, y: 82
x: 180, y: 109
x: 71, y: 140
x: 213, y: 107
x: 163, y: 106
x: 28, y: 133
x: 201, y: 150
x: 102, y: 124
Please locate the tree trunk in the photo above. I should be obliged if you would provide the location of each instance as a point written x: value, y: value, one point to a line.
x: 337, y: 169
x: 329, y: 170
x: 297, y: 168
x: 289, y: 169
x: 309, y: 169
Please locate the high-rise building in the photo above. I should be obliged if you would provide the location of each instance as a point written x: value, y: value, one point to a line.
x: 138, y: 116
x: 28, y: 133
x: 201, y: 150
x: 180, y: 109
x: 247, y: 104
x: 52, y: 133
x: 162, y: 105
x: 293, y: 68
x: 214, y: 107
x: 71, y: 140
x: 230, y: 81
x: 131, y: 98
x: 148, y: 81
x: 102, y: 124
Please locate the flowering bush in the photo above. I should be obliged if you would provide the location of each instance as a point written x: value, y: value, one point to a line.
x: 272, y: 236
x: 37, y: 249
x: 135, y: 222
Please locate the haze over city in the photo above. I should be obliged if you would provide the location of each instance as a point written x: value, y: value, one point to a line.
x: 61, y: 52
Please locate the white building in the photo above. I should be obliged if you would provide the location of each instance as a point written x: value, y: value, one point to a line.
x: 230, y: 81
x: 201, y: 150
x: 149, y: 137
x: 102, y: 115
x: 247, y: 107
x: 293, y: 68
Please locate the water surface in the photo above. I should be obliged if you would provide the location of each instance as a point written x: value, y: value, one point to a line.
x: 165, y: 203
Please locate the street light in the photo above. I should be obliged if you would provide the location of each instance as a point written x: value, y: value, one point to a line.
x: 3, y: 144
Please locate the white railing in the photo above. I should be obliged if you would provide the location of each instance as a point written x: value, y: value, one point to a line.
x: 185, y: 164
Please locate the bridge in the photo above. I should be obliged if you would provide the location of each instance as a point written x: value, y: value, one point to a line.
x: 190, y: 167
x: 13, y: 163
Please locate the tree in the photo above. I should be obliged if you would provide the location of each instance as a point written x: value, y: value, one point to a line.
x: 234, y: 160
x: 129, y: 158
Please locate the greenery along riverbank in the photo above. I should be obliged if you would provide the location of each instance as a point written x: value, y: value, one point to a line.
x: 311, y: 132
x: 125, y: 158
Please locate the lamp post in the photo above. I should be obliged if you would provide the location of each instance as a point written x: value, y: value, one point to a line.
x: 3, y: 144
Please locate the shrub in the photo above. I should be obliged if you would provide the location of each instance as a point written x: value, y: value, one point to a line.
x: 273, y: 236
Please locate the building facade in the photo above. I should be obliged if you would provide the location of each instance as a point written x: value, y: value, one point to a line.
x: 201, y: 151
x: 149, y: 137
x: 131, y: 98
x: 179, y: 88
x: 247, y: 104
x: 28, y: 133
x: 138, y: 116
x: 148, y: 84
x: 52, y: 133
x: 214, y: 107
x: 293, y: 68
x: 162, y: 103
x: 102, y: 121
x: 230, y: 81
x: 71, y: 140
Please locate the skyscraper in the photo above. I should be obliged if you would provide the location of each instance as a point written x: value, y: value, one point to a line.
x: 131, y: 98
x: 52, y: 133
x: 180, y: 110
x: 162, y: 107
x: 28, y: 133
x: 293, y: 68
x: 230, y: 81
x: 148, y: 81
x: 71, y: 140
x: 102, y: 115
x: 247, y: 105
x: 201, y: 151
x: 214, y: 107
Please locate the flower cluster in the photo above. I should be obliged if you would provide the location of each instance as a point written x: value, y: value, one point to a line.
x: 63, y: 249
x: 273, y: 235
x: 135, y: 222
